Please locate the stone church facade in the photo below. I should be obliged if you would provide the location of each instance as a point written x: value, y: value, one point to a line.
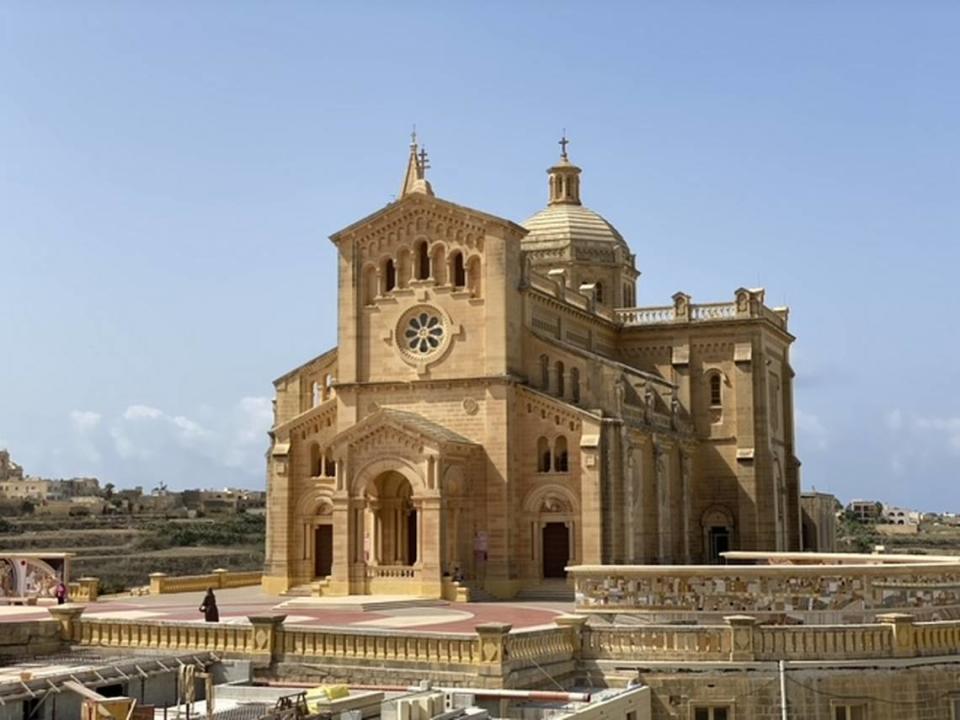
x: 497, y: 408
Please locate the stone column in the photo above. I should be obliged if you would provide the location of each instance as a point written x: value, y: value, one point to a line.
x: 68, y: 617
x: 904, y: 638
x: 430, y: 550
x: 342, y: 547
x: 493, y: 661
x: 741, y: 637
x: 263, y: 636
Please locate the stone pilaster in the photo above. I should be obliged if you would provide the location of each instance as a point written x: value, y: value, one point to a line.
x: 493, y: 656
x: 741, y: 637
x: 263, y: 638
x: 904, y: 638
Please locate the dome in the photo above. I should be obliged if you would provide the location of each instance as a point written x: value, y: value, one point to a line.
x: 560, y: 225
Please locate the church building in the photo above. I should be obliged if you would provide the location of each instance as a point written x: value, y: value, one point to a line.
x: 498, y: 408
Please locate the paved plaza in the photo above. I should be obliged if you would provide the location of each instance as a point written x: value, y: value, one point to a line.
x: 237, y: 603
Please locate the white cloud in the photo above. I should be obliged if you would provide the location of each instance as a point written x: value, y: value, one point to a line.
x: 234, y: 439
x: 138, y: 412
x: 810, y: 430
x: 85, y: 420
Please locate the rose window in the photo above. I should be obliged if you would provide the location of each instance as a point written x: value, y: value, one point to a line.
x: 423, y: 333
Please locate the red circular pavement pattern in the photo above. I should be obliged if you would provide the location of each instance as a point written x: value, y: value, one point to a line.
x: 236, y: 605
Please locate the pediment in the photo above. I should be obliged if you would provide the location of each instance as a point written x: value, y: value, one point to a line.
x: 398, y: 428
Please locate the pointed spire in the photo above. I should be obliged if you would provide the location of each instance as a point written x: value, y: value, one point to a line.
x: 564, y: 185
x: 415, y: 180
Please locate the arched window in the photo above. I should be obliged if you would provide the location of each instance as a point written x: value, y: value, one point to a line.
x: 473, y: 276
x: 316, y: 460
x: 599, y: 291
x: 545, y: 373
x: 317, y: 394
x: 716, y: 390
x: 543, y: 455
x: 437, y: 265
x: 458, y: 272
x: 560, y: 379
x: 423, y: 260
x: 560, y: 463
x: 575, y: 385
x: 329, y: 466
x: 389, y: 275
x: 370, y: 285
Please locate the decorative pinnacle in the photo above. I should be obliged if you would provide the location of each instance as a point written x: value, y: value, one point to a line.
x: 563, y: 144
x: 413, y: 136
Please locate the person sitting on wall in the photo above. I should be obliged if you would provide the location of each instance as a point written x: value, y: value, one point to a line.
x: 209, y: 607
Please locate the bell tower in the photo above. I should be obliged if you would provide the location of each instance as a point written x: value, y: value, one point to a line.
x: 564, y: 179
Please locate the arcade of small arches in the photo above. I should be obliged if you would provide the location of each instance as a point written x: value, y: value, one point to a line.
x: 553, y: 457
x: 556, y: 380
x: 425, y: 262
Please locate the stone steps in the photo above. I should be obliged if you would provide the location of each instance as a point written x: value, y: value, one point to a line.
x: 548, y: 590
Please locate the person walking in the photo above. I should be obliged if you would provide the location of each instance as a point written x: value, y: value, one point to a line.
x: 61, y: 593
x: 209, y: 607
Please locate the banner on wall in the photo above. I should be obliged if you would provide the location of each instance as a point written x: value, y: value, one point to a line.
x: 32, y: 576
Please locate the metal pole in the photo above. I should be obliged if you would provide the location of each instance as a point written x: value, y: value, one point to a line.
x: 783, y: 692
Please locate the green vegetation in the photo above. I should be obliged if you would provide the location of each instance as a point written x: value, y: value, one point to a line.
x: 855, y: 536
x: 235, y: 530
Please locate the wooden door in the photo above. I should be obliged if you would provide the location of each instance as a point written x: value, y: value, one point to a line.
x: 323, y: 550
x: 556, y: 550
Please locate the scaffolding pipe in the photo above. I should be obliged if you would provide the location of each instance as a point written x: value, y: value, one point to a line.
x: 783, y: 692
x: 555, y: 696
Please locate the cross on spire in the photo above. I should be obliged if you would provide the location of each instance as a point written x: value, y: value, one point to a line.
x: 424, y: 163
x: 563, y: 144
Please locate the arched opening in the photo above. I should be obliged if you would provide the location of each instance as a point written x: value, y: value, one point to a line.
x: 543, y: 455
x: 316, y: 460
x: 560, y: 461
x: 329, y: 466
x: 389, y: 275
x: 718, y: 526
x: 560, y: 379
x: 423, y: 260
x: 575, y: 385
x: 438, y: 266
x: 323, y: 541
x: 716, y: 390
x: 473, y: 276
x: 370, y: 285
x: 391, y: 529
x: 458, y: 273
x: 599, y: 291
x: 545, y: 373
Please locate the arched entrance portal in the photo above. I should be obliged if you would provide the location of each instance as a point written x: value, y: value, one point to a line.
x: 392, y: 534
x: 717, y: 524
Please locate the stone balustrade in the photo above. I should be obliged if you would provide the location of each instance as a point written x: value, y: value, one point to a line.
x: 812, y: 589
x: 498, y: 656
x: 161, y: 583
x: 84, y: 590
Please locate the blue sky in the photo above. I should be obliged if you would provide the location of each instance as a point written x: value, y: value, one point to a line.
x: 170, y: 172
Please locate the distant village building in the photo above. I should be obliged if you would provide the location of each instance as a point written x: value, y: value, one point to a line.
x: 866, y: 511
x: 900, y: 515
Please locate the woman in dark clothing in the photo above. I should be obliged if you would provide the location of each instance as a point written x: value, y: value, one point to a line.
x: 209, y: 607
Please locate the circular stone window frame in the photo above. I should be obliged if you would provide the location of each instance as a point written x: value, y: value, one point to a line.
x: 418, y: 360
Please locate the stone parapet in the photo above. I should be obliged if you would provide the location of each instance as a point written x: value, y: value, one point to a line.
x: 828, y: 589
x: 161, y: 583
